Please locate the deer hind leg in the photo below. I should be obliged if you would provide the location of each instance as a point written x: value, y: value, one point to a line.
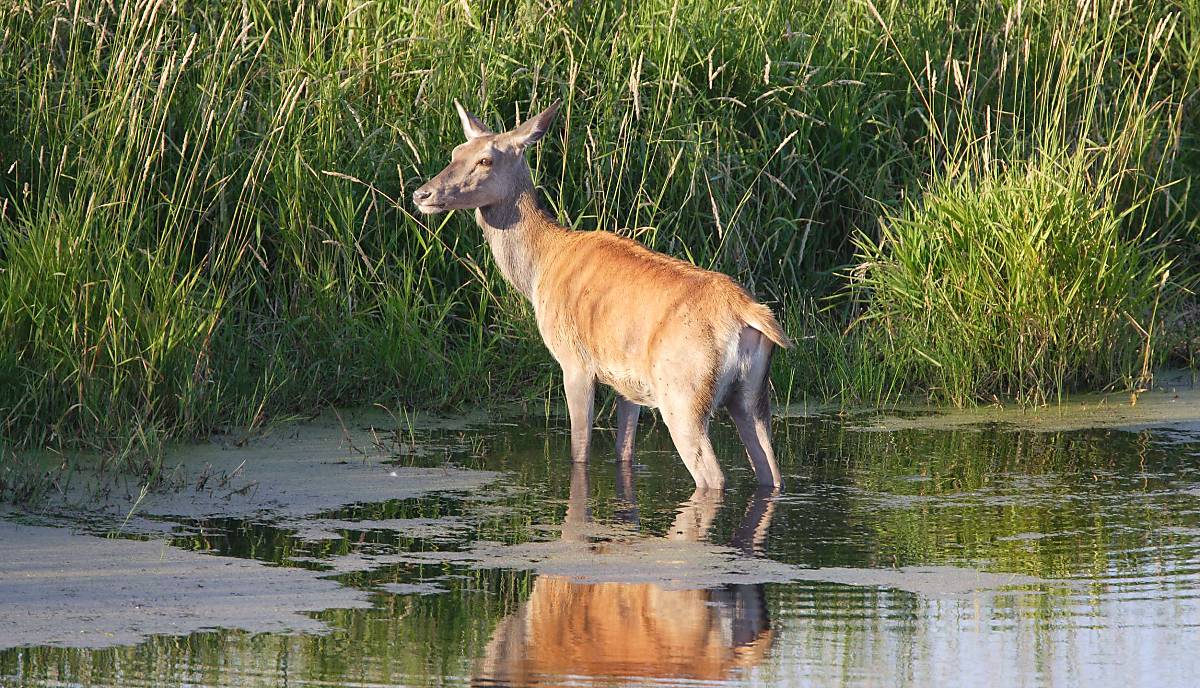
x: 750, y: 407
x: 689, y: 432
x: 627, y: 419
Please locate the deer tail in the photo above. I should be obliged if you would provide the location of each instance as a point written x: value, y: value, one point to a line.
x: 760, y: 318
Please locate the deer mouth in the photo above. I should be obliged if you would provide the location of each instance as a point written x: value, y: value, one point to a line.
x: 431, y: 206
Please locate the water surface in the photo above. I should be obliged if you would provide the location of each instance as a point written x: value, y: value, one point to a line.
x: 970, y: 556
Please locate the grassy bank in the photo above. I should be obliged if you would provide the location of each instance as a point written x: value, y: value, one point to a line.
x: 203, y: 216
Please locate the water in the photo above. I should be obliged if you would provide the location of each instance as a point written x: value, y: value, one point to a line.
x: 912, y: 558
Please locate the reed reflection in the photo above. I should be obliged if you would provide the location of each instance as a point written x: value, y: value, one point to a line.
x: 601, y: 631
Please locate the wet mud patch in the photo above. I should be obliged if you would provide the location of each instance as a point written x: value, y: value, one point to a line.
x: 290, y: 472
x: 425, y: 588
x: 232, y: 541
x: 288, y: 484
x: 448, y: 529
x: 65, y: 589
x: 1174, y: 412
x: 614, y: 556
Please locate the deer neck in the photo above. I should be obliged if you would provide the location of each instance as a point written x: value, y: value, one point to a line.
x: 519, y: 233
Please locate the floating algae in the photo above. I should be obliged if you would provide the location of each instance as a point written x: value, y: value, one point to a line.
x: 60, y: 588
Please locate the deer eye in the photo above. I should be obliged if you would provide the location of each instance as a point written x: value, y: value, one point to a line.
x: 484, y: 162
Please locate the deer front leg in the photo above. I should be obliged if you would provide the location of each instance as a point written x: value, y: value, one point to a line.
x: 580, y: 387
x: 627, y: 420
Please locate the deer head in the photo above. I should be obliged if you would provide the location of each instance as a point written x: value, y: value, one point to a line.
x: 489, y: 168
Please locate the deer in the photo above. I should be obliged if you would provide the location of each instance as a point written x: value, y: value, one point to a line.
x: 658, y: 330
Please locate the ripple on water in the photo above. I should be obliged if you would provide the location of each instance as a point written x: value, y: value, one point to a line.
x: 911, y: 558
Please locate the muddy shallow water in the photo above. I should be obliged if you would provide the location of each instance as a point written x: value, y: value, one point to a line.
x: 899, y: 554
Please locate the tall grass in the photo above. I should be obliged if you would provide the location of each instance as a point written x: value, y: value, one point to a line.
x: 1034, y: 259
x: 202, y: 205
x: 1018, y: 283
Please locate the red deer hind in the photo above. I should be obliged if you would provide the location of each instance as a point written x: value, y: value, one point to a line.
x: 660, y: 331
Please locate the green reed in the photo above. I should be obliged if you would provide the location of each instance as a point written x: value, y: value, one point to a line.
x: 204, y: 217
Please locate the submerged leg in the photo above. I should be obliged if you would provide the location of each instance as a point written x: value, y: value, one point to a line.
x: 627, y: 508
x: 627, y: 419
x: 751, y: 534
x: 579, y: 513
x: 754, y: 428
x: 689, y: 432
x: 695, y: 517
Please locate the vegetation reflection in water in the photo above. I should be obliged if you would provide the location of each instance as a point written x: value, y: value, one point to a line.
x: 1110, y: 520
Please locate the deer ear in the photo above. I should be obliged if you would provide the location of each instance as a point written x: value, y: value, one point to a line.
x: 534, y: 128
x: 471, y: 125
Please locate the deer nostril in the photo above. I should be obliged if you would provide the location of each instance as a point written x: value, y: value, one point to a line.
x: 422, y: 194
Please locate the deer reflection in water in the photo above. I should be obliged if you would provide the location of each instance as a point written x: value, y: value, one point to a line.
x: 645, y: 630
